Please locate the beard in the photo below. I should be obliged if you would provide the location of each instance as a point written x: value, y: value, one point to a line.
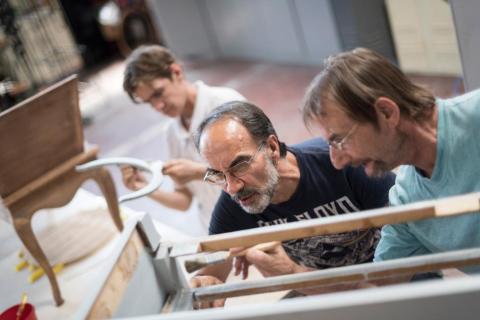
x: 379, y: 169
x: 390, y: 158
x: 263, y: 194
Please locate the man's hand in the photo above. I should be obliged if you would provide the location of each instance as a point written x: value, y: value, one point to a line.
x: 273, y: 262
x: 205, y: 281
x: 183, y: 170
x: 133, y: 178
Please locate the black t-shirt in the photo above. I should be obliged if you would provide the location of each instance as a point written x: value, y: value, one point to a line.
x: 322, y: 191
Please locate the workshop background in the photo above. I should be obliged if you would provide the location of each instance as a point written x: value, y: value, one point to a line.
x: 268, y: 50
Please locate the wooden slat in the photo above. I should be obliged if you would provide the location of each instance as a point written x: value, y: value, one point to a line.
x: 450, y: 206
x: 349, y: 274
x: 111, y: 295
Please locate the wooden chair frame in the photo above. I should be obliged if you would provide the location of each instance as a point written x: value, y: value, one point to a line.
x: 42, y: 141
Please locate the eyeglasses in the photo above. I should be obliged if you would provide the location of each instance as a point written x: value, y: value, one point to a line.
x: 339, y: 144
x: 238, y: 170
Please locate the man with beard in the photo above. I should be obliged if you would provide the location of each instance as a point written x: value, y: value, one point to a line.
x: 266, y: 182
x: 374, y: 116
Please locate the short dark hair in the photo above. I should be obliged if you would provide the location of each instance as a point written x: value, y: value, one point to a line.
x: 247, y: 114
x: 356, y: 79
x: 145, y: 64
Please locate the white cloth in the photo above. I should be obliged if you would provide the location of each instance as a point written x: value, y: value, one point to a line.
x: 180, y: 143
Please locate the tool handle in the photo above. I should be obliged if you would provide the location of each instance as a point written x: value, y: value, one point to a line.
x: 261, y: 246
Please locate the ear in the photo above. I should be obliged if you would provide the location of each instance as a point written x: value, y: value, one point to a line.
x: 388, y: 112
x: 176, y: 70
x: 273, y: 147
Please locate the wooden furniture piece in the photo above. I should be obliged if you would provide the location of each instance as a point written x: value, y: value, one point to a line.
x: 41, y: 142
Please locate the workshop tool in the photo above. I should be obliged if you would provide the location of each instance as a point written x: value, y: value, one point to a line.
x: 21, y: 311
x: 21, y: 308
x: 222, y: 256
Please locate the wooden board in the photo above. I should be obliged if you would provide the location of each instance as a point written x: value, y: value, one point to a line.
x: 445, y: 207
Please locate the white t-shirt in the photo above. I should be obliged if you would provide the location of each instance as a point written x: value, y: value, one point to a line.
x: 181, y: 145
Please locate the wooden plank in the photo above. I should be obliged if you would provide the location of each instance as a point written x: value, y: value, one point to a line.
x: 111, y: 294
x: 350, y: 274
x: 445, y: 207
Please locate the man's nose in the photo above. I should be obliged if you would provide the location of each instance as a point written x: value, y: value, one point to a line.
x: 339, y: 158
x: 232, y: 184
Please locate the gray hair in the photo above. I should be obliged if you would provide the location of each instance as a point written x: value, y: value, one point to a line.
x: 247, y: 114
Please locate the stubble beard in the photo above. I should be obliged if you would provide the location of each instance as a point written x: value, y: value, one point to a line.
x: 380, y: 169
x: 264, y: 195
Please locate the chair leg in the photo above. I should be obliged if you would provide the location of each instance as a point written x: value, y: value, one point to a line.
x: 104, y: 180
x: 23, y: 226
x: 55, y: 194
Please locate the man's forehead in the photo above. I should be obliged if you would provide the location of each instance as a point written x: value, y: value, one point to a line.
x: 332, y: 120
x: 226, y: 131
x: 332, y: 112
x: 144, y: 89
x: 152, y: 83
x: 225, y: 138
